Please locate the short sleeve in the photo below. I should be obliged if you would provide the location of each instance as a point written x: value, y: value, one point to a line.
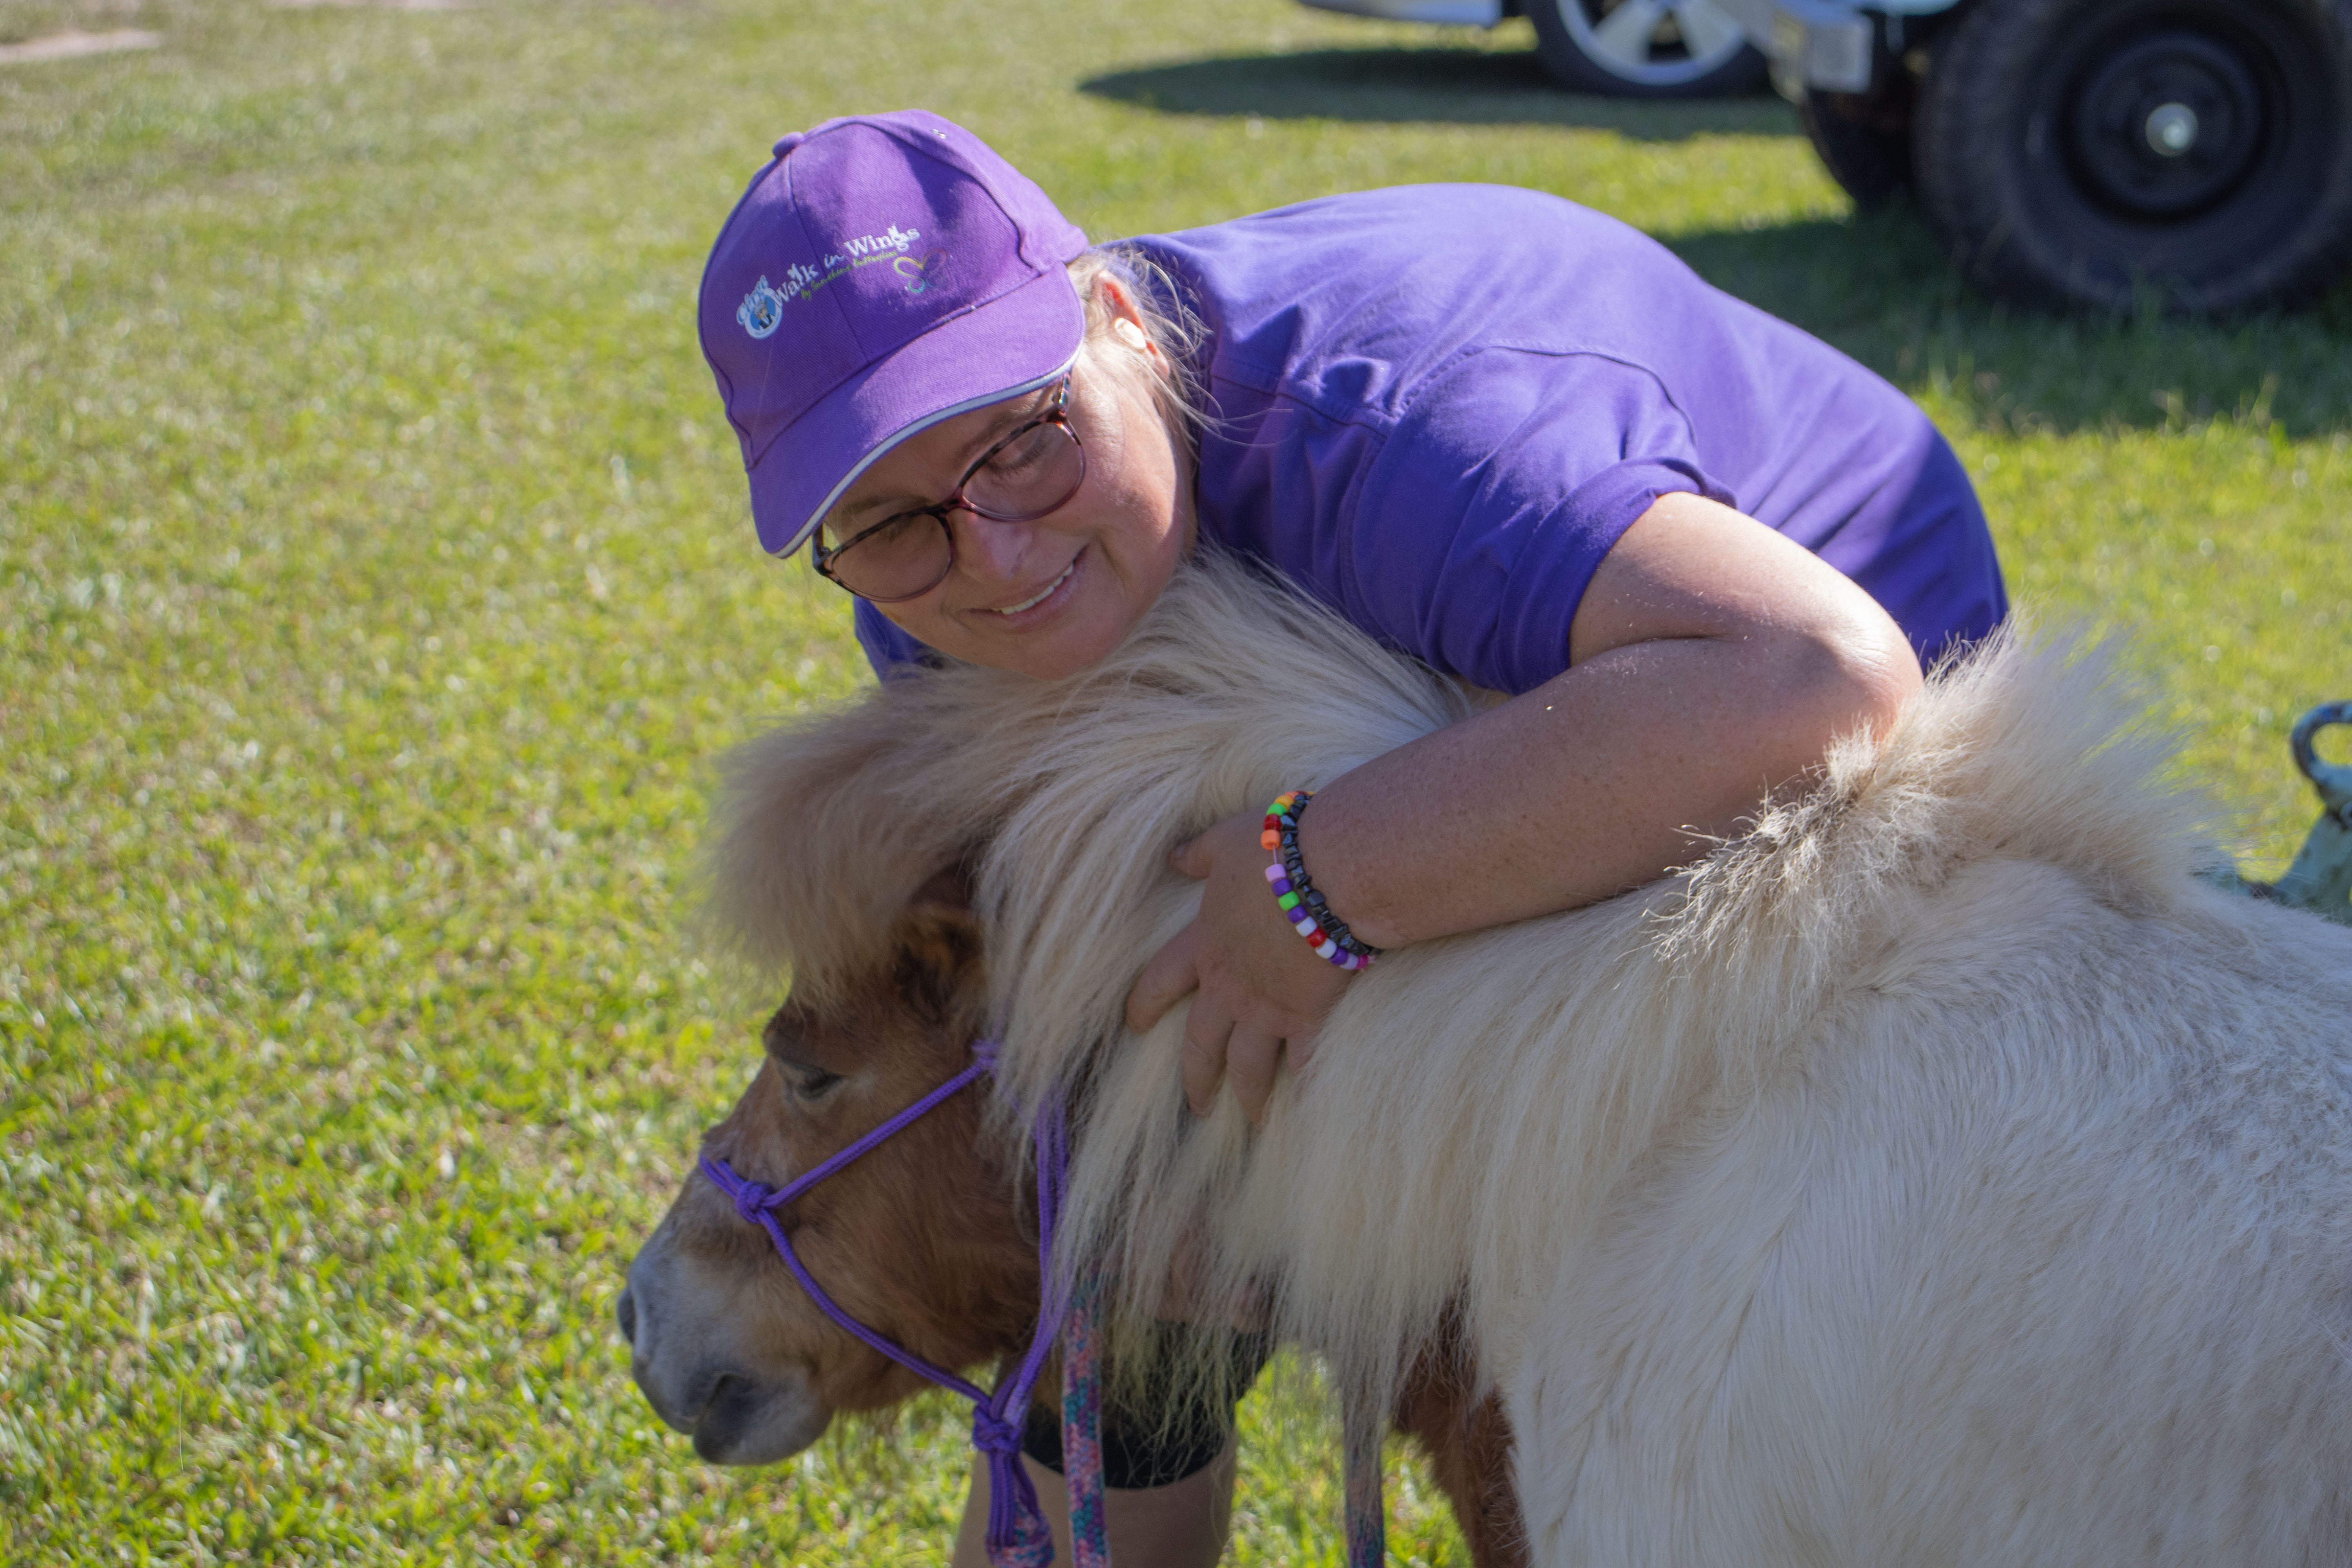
x: 1479, y: 525
x: 891, y: 652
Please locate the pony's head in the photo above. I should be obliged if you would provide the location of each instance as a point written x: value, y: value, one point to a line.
x: 920, y: 1238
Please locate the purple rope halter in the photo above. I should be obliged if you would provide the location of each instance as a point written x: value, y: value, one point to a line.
x: 1018, y: 1535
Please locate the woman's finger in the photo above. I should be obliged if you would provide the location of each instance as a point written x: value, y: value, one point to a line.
x: 1252, y: 1057
x: 1298, y: 1050
x: 1172, y: 975
x: 1205, y: 1033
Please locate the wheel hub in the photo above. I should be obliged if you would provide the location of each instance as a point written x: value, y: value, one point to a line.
x: 2172, y: 129
x: 2165, y: 126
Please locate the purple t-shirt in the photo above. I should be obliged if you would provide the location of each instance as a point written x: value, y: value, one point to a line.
x: 1438, y: 407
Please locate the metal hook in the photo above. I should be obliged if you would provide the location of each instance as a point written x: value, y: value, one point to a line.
x: 2333, y: 781
x: 2321, y: 878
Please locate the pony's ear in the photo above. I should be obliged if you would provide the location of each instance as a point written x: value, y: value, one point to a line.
x: 947, y: 890
x: 939, y: 944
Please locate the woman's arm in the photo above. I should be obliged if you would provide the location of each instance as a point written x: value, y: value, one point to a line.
x: 1710, y: 660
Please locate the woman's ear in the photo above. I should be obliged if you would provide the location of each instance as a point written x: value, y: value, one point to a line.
x: 1117, y: 303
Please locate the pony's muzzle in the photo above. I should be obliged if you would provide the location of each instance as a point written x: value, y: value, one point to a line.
x: 686, y: 1363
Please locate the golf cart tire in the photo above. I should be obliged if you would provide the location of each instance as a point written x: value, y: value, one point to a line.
x: 1579, y: 68
x: 1864, y: 139
x: 2195, y: 155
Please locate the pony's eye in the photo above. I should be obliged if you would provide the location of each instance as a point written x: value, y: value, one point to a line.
x: 808, y: 1082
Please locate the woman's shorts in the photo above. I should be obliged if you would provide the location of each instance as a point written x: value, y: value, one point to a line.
x: 1143, y: 1443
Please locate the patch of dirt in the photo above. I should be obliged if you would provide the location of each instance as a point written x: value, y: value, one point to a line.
x: 69, y: 45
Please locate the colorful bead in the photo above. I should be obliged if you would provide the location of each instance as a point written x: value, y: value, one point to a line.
x: 1296, y: 897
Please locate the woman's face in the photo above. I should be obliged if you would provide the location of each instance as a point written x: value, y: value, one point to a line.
x: 1049, y: 597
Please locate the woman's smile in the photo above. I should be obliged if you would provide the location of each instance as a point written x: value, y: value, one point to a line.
x: 1013, y: 611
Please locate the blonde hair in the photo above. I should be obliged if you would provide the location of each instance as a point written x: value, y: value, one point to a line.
x: 1174, y: 328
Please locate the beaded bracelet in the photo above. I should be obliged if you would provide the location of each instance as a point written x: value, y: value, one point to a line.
x: 1315, y: 920
x: 1302, y: 905
x: 1296, y: 871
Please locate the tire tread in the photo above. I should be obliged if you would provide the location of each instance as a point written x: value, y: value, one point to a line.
x: 1968, y: 105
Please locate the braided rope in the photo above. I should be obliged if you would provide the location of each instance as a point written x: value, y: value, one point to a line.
x: 1082, y: 1464
x: 1018, y: 1535
x: 1367, y: 1516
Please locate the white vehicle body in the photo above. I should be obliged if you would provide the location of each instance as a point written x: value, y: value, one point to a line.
x: 1823, y: 44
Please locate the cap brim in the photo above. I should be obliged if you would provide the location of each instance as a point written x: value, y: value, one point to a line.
x: 1014, y: 343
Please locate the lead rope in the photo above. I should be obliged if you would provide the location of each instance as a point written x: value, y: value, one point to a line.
x: 1082, y: 1427
x: 1362, y: 1432
x: 1018, y: 1535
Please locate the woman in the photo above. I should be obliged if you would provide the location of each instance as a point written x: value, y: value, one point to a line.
x: 1513, y: 438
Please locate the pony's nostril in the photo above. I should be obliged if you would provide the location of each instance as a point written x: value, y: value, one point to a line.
x: 627, y: 1313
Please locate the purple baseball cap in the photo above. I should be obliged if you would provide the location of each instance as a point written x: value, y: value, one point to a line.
x: 883, y: 273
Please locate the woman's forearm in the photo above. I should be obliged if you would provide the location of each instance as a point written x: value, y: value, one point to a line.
x: 1603, y: 779
x: 1681, y: 711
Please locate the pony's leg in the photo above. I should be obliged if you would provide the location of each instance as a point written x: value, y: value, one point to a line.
x: 1467, y: 1441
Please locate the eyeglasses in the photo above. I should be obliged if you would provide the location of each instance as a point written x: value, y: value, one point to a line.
x: 1027, y: 475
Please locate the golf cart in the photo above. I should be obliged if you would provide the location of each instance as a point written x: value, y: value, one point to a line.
x: 2191, y: 154
x: 2196, y: 154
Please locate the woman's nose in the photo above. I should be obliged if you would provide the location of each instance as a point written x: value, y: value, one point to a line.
x: 988, y: 551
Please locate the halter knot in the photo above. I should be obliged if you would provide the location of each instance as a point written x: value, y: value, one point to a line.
x: 993, y: 1434
x: 750, y: 1198
x: 1018, y: 1536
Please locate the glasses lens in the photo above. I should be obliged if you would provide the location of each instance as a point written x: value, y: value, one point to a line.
x: 1028, y: 477
x: 898, y: 560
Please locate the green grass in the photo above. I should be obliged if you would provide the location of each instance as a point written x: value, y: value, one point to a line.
x: 376, y: 583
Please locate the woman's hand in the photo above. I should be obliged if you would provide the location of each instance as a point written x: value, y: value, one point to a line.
x: 1263, y: 992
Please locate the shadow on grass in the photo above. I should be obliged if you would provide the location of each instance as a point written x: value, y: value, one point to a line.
x: 1443, y: 85
x: 1878, y: 286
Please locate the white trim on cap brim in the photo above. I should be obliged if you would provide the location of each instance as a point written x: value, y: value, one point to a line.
x: 817, y: 517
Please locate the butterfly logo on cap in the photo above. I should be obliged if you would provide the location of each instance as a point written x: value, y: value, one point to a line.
x: 762, y: 311
x: 916, y: 272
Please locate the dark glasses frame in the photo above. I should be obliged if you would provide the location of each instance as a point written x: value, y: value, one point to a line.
x: 1056, y: 413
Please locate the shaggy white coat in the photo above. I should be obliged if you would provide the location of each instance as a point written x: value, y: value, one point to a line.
x: 1940, y: 1173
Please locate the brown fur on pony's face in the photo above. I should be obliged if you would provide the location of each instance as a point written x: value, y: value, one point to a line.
x: 920, y: 1238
